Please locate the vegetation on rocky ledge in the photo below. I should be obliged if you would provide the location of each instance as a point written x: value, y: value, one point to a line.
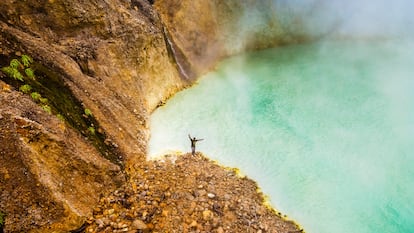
x: 98, y: 130
x: 58, y: 101
x: 22, y: 71
x: 2, y: 219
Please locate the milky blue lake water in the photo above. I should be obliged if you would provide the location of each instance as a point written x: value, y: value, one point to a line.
x: 326, y: 129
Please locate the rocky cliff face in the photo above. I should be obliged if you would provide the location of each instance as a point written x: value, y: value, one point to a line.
x: 117, y: 59
x: 48, y: 173
x: 206, y: 31
x: 111, y: 57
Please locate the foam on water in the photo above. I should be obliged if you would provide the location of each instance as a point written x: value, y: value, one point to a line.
x: 326, y: 129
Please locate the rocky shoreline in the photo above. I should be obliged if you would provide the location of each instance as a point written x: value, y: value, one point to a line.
x: 104, y: 66
x: 187, y: 194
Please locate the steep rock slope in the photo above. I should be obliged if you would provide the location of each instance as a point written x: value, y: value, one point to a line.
x: 48, y: 173
x: 111, y: 58
x: 104, y: 66
x: 206, y: 31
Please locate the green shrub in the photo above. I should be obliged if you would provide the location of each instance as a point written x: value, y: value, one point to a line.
x: 8, y: 70
x: 27, y: 60
x: 91, y: 130
x: 29, y: 72
x: 2, y: 219
x: 15, y: 64
x: 16, y: 68
x: 43, y: 100
x: 47, y: 108
x: 13, y: 73
x: 88, y: 112
x: 26, y: 88
x: 36, y: 96
x: 60, y: 117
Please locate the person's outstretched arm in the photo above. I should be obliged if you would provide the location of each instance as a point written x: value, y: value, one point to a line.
x: 189, y: 137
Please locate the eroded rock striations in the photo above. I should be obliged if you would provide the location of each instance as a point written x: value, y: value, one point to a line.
x: 50, y: 175
x: 119, y: 60
x: 206, y: 31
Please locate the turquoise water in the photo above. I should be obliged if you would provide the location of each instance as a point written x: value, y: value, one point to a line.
x: 327, y: 130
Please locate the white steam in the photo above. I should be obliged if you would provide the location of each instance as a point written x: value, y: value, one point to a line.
x: 320, y: 18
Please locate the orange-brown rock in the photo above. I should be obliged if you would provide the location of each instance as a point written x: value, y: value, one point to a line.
x: 111, y: 58
x: 187, y: 194
x: 48, y: 173
x: 119, y: 60
x: 206, y: 31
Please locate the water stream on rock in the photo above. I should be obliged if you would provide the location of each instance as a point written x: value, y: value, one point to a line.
x: 326, y: 129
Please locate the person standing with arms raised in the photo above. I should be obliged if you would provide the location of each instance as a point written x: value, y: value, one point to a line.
x: 193, y: 140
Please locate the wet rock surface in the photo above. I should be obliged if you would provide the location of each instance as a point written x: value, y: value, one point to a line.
x: 187, y: 194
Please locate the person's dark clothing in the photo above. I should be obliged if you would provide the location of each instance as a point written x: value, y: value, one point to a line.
x: 193, y: 143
